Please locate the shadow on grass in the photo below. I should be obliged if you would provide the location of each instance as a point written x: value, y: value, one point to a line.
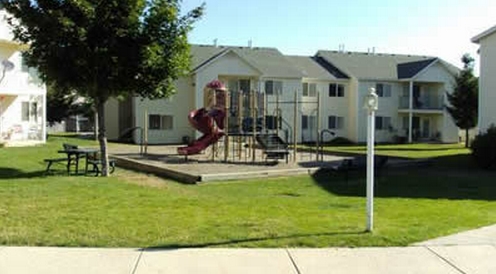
x: 12, y: 173
x: 451, y: 177
x: 401, y: 149
x: 249, y: 240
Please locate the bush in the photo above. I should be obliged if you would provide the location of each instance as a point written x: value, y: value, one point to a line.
x: 340, y: 141
x: 484, y: 148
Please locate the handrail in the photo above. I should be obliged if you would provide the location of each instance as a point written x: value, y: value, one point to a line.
x: 320, y: 143
x: 130, y: 131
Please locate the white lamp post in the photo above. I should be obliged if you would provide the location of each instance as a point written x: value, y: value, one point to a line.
x: 371, y: 105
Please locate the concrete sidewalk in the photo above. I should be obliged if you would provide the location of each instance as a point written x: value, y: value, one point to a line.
x: 475, y: 253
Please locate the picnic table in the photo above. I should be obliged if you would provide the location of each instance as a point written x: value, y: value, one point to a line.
x: 75, y: 154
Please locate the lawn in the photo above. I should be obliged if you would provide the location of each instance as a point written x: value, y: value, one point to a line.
x: 137, y: 210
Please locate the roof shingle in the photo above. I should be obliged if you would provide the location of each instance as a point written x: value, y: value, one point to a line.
x: 372, y: 66
x: 269, y: 61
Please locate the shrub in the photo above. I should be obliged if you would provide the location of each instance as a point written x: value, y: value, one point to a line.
x: 484, y: 148
x: 340, y: 141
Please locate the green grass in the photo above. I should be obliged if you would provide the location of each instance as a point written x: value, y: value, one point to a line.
x: 136, y: 210
x: 415, y: 151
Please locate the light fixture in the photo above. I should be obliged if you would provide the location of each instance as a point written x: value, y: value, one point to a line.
x: 371, y: 101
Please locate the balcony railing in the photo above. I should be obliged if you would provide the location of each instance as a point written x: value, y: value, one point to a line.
x: 423, y: 102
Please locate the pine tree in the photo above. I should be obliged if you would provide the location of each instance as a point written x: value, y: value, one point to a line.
x: 464, y: 102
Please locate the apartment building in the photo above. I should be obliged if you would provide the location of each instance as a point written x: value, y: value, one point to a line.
x: 487, y: 79
x: 412, y: 91
x: 22, y: 94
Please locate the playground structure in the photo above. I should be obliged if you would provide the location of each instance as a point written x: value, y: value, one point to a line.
x: 235, y: 124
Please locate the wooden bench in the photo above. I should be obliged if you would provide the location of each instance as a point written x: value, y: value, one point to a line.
x: 360, y: 164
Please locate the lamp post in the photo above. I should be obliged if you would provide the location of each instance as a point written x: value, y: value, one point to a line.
x: 371, y: 105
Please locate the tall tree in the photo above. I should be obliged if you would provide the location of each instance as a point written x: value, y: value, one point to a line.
x: 464, y: 102
x: 59, y: 104
x: 105, y: 48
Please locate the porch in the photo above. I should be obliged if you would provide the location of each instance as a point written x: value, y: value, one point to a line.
x: 22, y: 119
x: 424, y: 96
x: 421, y: 111
x: 426, y: 127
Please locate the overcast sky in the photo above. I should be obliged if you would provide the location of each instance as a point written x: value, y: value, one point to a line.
x: 439, y: 28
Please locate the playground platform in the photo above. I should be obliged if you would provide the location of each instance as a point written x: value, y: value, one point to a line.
x: 164, y: 161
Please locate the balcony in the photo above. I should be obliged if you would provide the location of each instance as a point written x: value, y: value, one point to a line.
x: 432, y: 102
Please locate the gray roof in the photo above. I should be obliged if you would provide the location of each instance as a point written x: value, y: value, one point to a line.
x: 311, y: 68
x: 483, y: 35
x: 408, y: 70
x: 269, y: 61
x: 376, y: 66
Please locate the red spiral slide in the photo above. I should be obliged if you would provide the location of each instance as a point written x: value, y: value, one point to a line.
x: 204, y: 121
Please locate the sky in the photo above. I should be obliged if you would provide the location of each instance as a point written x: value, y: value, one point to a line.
x: 435, y: 28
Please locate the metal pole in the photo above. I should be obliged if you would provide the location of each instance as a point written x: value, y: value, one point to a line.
x: 146, y: 132
x: 254, y: 126
x: 410, y: 113
x: 371, y: 103
x: 214, y: 103
x: 264, y: 105
x: 226, y: 124
x: 370, y: 171
x: 240, y: 124
x: 295, y: 123
x: 277, y: 113
x: 317, y: 141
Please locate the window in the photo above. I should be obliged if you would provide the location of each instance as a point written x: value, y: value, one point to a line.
x: 308, y: 122
x: 160, y: 121
x: 312, y: 122
x: 25, y: 111
x: 29, y: 111
x: 271, y: 87
x: 34, y: 111
x: 336, y: 90
x: 244, y: 85
x: 383, y: 90
x: 270, y: 122
x: 335, y: 122
x: 309, y: 89
x: 304, y: 121
x: 167, y: 122
x: 382, y: 123
x: 154, y: 121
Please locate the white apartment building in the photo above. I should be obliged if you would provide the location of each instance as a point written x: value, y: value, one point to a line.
x: 411, y: 88
x: 22, y: 94
x: 487, y: 79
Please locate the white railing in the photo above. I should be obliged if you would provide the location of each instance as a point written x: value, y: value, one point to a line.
x: 430, y: 102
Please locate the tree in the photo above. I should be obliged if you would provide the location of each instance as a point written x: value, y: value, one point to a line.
x: 104, y: 49
x: 59, y: 104
x: 464, y: 102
